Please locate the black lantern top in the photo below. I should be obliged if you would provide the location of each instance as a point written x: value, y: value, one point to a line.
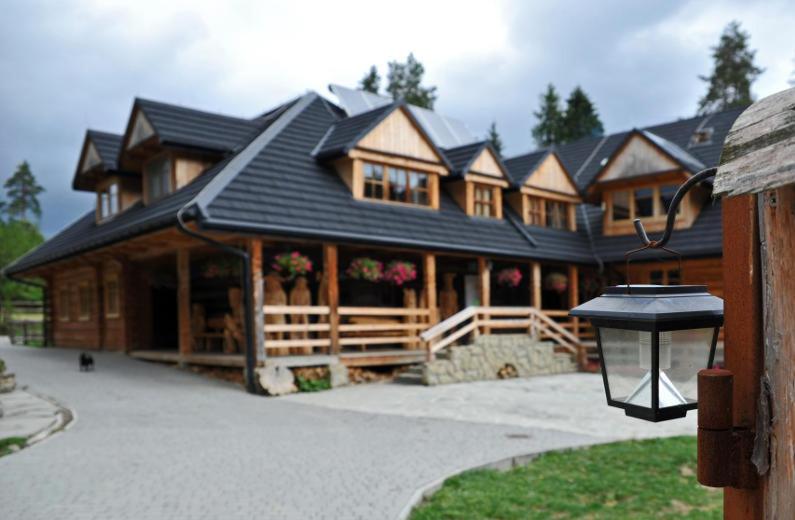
x: 654, y: 307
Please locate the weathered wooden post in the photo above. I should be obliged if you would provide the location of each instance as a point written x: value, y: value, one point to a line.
x: 757, y: 178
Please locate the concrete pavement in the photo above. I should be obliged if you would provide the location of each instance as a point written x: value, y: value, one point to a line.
x: 153, y: 442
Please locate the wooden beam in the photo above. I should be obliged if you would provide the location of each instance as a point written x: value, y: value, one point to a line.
x: 429, y: 286
x: 99, y: 308
x: 254, y: 246
x: 743, y: 332
x: 536, y: 285
x: 484, y: 276
x: 331, y: 270
x: 574, y: 296
x: 183, y: 301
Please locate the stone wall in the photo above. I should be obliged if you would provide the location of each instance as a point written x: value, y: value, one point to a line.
x: 490, y: 354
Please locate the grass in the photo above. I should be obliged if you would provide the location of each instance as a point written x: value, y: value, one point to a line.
x: 635, y: 479
x: 7, y: 443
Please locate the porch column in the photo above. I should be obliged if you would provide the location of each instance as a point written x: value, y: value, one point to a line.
x: 99, y: 297
x: 484, y: 276
x: 331, y: 270
x: 429, y: 280
x: 254, y: 246
x: 183, y: 302
x: 535, y: 285
x: 574, y: 297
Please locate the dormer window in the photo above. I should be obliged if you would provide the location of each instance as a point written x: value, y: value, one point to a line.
x: 109, y: 201
x: 547, y: 212
x: 392, y: 184
x: 557, y: 214
x: 485, y: 200
x: 648, y: 202
x: 157, y: 178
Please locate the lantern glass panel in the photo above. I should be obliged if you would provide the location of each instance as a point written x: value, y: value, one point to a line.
x: 625, y: 355
x: 689, y: 353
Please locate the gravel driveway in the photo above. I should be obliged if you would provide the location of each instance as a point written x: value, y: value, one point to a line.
x: 153, y: 442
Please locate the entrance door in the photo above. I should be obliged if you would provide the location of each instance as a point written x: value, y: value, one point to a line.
x: 164, y: 318
x: 471, y: 290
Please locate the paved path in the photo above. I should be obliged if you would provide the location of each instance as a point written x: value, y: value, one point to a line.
x: 28, y: 415
x: 152, y: 442
x: 573, y: 403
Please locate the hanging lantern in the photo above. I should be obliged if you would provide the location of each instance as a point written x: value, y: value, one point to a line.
x: 652, y: 341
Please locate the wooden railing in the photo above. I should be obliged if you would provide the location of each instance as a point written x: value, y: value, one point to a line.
x: 478, y: 320
x: 296, y: 338
x: 358, y: 327
x: 365, y: 326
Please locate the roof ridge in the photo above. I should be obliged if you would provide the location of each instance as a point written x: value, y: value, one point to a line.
x: 240, y: 160
x: 190, y: 109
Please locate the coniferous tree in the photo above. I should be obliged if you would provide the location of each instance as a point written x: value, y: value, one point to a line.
x: 371, y: 81
x: 494, y: 138
x: 404, y: 81
x: 549, y: 129
x: 733, y: 73
x: 580, y: 119
x: 22, y: 192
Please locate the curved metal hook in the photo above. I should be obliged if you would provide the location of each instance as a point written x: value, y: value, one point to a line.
x: 669, y: 224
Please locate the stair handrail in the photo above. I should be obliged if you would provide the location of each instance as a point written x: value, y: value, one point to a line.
x: 449, y: 323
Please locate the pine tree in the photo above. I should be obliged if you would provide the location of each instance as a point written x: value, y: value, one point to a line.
x: 371, y: 81
x: 404, y: 81
x: 549, y: 129
x: 733, y: 72
x: 580, y: 119
x: 22, y: 193
x: 494, y: 138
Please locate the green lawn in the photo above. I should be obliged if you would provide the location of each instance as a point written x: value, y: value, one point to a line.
x: 635, y: 479
x: 8, y: 442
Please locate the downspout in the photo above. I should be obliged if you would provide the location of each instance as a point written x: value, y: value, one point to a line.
x: 43, y: 287
x: 245, y: 284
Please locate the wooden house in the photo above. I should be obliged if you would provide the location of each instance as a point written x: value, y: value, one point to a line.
x: 341, y: 187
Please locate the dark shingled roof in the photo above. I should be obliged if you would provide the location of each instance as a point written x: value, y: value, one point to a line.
x: 343, y: 135
x: 461, y: 157
x: 521, y: 166
x: 272, y: 183
x: 108, y: 146
x: 263, y: 198
x: 176, y: 125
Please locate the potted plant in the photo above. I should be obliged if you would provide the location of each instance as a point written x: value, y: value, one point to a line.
x: 557, y: 282
x: 509, y: 277
x: 363, y: 268
x: 399, y: 272
x: 291, y: 265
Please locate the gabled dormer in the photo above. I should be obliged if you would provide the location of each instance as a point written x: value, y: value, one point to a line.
x: 385, y: 156
x: 98, y: 171
x: 168, y: 146
x: 478, y: 179
x: 640, y: 179
x: 545, y: 195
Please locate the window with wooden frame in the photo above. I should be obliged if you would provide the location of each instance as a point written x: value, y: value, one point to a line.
x: 84, y: 302
x: 484, y: 198
x: 109, y: 201
x: 643, y: 202
x: 392, y: 184
x: 157, y: 174
x: 64, y: 304
x: 557, y: 214
x: 535, y: 211
x: 112, y: 297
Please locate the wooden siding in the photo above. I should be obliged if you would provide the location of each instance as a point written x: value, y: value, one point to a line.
x: 186, y: 170
x: 551, y: 176
x: 701, y: 271
x: 397, y: 135
x: 486, y: 164
x: 637, y: 157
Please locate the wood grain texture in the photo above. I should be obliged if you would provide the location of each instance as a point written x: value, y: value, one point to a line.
x: 397, y: 134
x: 183, y: 301
x: 254, y: 246
x: 550, y: 175
x: 778, y: 257
x: 486, y: 164
x: 637, y: 157
x: 331, y: 270
x: 759, y: 152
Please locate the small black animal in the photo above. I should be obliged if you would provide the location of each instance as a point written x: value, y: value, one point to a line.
x: 86, y: 362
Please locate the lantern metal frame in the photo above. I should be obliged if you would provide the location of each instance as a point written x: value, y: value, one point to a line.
x: 653, y: 323
x: 680, y: 320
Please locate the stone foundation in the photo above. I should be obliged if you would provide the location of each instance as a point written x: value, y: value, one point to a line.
x: 489, y: 356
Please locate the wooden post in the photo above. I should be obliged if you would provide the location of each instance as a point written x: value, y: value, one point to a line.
x: 536, y: 285
x: 183, y: 301
x: 254, y: 246
x: 484, y: 276
x: 331, y: 269
x: 99, y: 308
x: 429, y: 280
x: 574, y: 297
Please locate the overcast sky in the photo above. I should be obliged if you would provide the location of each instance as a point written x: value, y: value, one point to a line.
x: 68, y: 66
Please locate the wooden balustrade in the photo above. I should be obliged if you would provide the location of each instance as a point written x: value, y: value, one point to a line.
x: 359, y: 327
